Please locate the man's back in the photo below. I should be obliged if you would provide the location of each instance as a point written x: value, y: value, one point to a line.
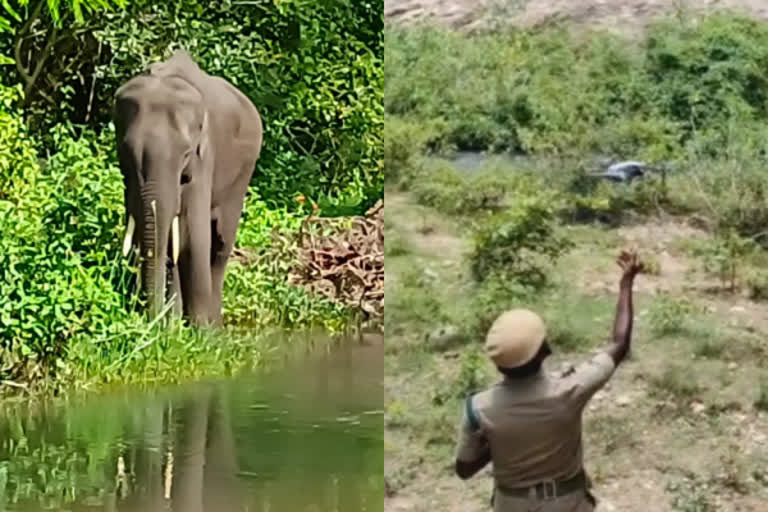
x: 533, y: 425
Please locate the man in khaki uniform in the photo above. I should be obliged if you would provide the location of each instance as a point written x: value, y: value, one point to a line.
x: 529, y: 425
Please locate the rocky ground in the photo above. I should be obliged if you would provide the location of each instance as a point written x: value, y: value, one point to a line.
x: 681, y: 427
x: 625, y: 16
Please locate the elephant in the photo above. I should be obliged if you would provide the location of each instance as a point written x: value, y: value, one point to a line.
x: 187, y: 145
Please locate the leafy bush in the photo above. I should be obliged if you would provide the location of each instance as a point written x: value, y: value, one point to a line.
x: 18, y: 158
x: 724, y: 256
x: 708, y: 70
x: 59, y: 241
x: 471, y: 379
x: 491, y: 188
x: 404, y: 142
x: 259, y: 222
x: 732, y: 193
x: 668, y: 315
x: 258, y: 298
x: 516, y: 245
x: 439, y: 185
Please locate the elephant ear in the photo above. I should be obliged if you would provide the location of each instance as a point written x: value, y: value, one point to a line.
x: 203, y: 141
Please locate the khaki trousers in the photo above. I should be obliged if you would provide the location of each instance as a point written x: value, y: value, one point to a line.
x: 574, y: 502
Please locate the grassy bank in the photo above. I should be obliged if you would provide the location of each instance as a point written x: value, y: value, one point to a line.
x: 70, y: 314
x: 676, y: 425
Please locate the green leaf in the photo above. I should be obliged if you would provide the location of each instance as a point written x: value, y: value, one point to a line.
x: 76, y: 8
x: 5, y: 25
x: 9, y: 10
x: 53, y: 9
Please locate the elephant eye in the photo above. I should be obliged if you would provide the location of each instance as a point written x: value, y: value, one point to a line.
x: 184, y: 179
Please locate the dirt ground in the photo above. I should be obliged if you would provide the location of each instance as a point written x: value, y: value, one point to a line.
x: 678, y: 428
x: 626, y: 16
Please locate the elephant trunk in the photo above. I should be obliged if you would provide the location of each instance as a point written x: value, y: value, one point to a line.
x: 155, y: 247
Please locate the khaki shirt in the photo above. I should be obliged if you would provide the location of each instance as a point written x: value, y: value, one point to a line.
x: 533, y: 425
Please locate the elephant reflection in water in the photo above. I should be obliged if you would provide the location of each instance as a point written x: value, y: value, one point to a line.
x: 197, y: 474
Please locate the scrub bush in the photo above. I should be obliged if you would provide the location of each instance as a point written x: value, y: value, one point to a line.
x: 516, y: 245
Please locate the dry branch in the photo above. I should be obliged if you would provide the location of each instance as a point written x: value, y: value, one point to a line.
x: 344, y: 263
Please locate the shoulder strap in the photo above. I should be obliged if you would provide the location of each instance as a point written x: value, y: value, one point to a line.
x: 474, y: 423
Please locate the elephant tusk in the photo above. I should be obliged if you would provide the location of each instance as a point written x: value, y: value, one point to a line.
x: 175, y: 239
x: 128, y: 235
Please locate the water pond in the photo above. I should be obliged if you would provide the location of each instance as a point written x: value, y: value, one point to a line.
x: 306, y: 437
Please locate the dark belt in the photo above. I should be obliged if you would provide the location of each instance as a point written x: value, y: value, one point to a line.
x: 548, y: 490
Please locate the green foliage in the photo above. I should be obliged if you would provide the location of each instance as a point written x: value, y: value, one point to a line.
x: 691, y: 495
x: 402, y: 145
x: 545, y: 91
x: 57, y: 255
x: 436, y: 182
x: 18, y: 158
x: 517, y: 244
x: 439, y: 185
x: 259, y: 297
x: 413, y: 303
x: 259, y: 222
x: 444, y: 188
x: 470, y: 380
x: 395, y: 244
x: 710, y: 71
x: 404, y: 142
x: 709, y: 346
x: 732, y: 193
x: 724, y: 256
x: 668, y: 315
x: 80, y: 9
x: 313, y: 69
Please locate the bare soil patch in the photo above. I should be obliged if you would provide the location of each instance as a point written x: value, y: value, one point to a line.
x: 673, y: 430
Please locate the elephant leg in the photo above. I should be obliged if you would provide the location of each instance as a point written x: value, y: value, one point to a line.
x: 195, y: 266
x: 223, y: 230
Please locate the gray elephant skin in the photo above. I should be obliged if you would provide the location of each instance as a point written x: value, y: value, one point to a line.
x: 188, y: 143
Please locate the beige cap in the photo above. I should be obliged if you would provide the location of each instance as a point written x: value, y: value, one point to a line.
x: 515, y: 337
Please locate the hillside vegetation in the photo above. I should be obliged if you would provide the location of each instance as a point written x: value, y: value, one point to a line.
x: 539, y: 108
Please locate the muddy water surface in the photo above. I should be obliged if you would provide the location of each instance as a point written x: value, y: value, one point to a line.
x: 306, y: 437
